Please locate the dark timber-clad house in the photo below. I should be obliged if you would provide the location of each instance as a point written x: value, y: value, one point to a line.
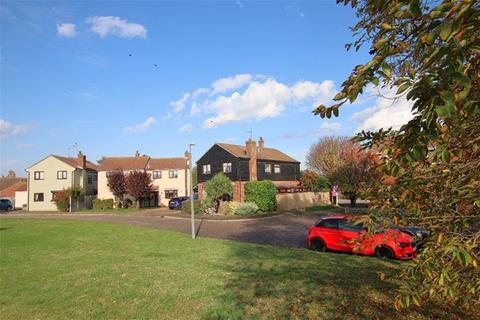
x: 247, y: 163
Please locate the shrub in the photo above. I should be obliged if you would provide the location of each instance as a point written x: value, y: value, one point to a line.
x: 218, y: 187
x: 208, y: 206
x: 225, y: 208
x: 196, y: 206
x: 102, y: 204
x: 62, y: 198
x: 246, y: 209
x: 263, y: 194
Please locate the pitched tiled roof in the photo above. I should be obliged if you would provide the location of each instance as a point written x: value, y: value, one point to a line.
x: 10, y: 191
x: 6, y: 182
x: 167, y: 163
x: 74, y: 162
x: 124, y: 163
x: 265, y: 154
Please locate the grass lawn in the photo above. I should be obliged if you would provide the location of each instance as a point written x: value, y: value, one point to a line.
x: 54, y: 269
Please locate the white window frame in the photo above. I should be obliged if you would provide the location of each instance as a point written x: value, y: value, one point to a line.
x: 206, y: 169
x: 173, y: 174
x: 227, y: 167
x: 277, y: 168
x: 157, y: 174
x: 268, y: 168
x: 35, y: 198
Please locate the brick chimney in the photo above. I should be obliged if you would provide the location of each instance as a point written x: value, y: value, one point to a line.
x: 81, y: 160
x: 261, y: 145
x: 251, y: 147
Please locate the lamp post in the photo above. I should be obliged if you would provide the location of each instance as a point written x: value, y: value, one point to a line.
x: 190, y: 145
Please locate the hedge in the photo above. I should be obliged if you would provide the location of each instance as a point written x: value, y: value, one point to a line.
x: 246, y: 209
x: 263, y: 194
x: 99, y: 204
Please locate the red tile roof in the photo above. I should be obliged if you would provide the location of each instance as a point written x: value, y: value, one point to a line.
x: 167, y: 163
x: 74, y: 163
x: 124, y: 163
x: 265, y: 154
x: 6, y: 182
x: 10, y: 191
x: 141, y: 163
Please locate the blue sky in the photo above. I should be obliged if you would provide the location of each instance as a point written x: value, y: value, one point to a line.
x: 110, y: 78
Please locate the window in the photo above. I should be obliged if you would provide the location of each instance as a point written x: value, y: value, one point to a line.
x: 328, y: 223
x: 157, y: 175
x: 268, y: 168
x: 206, y: 169
x: 276, y: 168
x: 347, y: 226
x: 227, y: 167
x: 61, y: 175
x: 38, y: 197
x: 38, y: 175
x: 173, y: 174
x: 89, y: 179
x: 169, y: 194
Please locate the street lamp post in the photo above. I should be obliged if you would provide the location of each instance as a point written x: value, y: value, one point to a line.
x: 190, y: 145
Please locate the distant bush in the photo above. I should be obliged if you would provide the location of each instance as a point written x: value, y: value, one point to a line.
x: 196, y: 206
x: 246, y: 209
x: 62, y: 198
x: 263, y: 194
x: 225, y: 208
x: 102, y: 204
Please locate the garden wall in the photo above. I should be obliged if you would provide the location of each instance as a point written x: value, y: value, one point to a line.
x: 286, y: 201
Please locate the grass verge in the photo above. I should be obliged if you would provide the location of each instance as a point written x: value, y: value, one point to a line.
x: 56, y: 269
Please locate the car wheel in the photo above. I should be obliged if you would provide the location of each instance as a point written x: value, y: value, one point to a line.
x: 384, y: 252
x: 318, y: 245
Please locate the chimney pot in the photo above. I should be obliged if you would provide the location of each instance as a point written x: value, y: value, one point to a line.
x: 137, y: 153
x: 261, y: 144
x: 81, y: 160
x: 251, y: 148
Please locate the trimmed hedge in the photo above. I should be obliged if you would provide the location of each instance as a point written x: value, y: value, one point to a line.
x: 263, y: 194
x: 104, y: 204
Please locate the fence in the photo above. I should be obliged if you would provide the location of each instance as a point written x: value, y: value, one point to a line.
x: 286, y: 201
x: 81, y: 203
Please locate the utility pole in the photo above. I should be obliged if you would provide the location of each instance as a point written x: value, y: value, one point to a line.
x: 192, y: 210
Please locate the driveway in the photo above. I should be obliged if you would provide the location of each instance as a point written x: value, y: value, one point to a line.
x: 283, y: 230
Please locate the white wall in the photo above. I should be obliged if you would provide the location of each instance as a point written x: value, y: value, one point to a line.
x: 21, y: 199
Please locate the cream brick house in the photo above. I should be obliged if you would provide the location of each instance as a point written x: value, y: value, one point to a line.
x: 56, y: 173
x: 169, y: 176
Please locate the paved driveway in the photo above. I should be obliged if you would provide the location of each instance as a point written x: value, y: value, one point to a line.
x: 283, y: 230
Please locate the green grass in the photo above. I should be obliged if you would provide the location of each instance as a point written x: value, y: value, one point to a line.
x: 54, y: 269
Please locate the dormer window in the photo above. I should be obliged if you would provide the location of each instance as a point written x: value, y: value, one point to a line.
x: 227, y: 167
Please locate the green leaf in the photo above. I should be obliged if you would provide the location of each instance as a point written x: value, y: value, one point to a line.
x: 375, y: 81
x: 403, y: 87
x: 340, y: 96
x: 445, y: 30
x: 414, y: 8
x: 380, y: 43
x: 447, y: 96
x: 387, y: 26
x: 335, y: 112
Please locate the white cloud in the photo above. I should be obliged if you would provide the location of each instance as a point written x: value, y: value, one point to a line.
x: 179, y: 105
x: 141, y: 127
x: 257, y: 97
x: 66, y: 30
x: 115, y: 26
x: 267, y: 99
x: 24, y: 146
x: 330, y: 126
x: 8, y: 129
x: 386, y: 112
x: 185, y: 128
x: 226, y: 84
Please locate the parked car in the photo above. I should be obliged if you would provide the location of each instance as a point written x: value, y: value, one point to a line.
x: 176, y: 203
x: 6, y: 205
x: 338, y: 233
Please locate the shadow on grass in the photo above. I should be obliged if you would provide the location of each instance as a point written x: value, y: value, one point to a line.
x: 266, y: 282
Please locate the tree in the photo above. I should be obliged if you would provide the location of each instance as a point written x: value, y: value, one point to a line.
x: 314, y: 181
x: 430, y: 53
x: 117, y: 185
x: 356, y: 170
x: 219, y: 187
x: 323, y: 156
x: 139, y: 184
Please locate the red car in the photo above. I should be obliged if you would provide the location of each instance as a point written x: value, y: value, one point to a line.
x: 337, y: 233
